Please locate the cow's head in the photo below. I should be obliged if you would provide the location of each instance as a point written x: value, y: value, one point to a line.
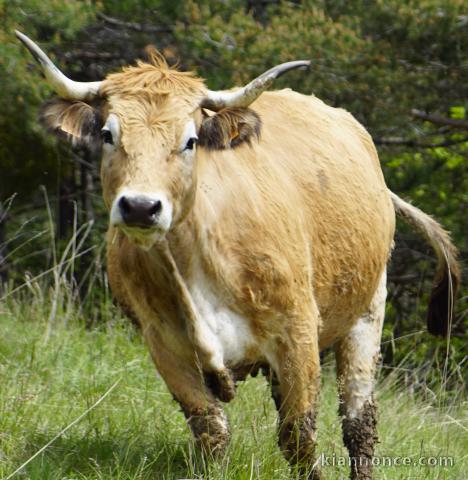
x: 149, y: 121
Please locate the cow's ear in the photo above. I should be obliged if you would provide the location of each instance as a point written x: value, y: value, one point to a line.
x: 229, y: 128
x: 77, y: 121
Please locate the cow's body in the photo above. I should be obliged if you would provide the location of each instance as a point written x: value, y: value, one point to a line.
x: 266, y: 245
x: 277, y: 227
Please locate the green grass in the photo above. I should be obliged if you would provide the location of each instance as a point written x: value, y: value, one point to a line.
x: 49, y: 377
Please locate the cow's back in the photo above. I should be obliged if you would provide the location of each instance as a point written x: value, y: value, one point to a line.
x: 306, y: 204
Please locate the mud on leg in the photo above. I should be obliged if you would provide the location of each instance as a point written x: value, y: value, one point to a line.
x: 357, y: 356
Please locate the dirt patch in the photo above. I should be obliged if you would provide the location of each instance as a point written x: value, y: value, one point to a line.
x: 360, y: 437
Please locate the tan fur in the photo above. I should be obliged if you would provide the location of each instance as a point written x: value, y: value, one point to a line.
x: 152, y: 78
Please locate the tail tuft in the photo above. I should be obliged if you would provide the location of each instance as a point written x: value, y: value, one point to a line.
x: 440, y: 310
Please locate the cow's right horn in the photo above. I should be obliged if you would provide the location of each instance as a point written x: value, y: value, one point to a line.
x: 62, y: 85
x: 244, y: 96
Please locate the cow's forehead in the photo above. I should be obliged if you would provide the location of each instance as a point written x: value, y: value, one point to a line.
x: 149, y: 121
x: 152, y: 99
x: 151, y: 108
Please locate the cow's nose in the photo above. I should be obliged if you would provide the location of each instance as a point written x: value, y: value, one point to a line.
x: 140, y: 211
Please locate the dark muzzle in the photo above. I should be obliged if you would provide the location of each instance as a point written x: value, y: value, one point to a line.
x: 140, y: 211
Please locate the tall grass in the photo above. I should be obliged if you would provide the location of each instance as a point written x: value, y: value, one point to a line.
x: 138, y: 431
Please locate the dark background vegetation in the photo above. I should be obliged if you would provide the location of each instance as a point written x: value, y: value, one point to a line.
x: 399, y: 66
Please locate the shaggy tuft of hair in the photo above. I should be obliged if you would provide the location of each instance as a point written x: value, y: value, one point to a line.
x: 441, y: 302
x: 153, y: 77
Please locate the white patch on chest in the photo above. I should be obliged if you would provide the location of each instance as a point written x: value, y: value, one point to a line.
x: 228, y: 333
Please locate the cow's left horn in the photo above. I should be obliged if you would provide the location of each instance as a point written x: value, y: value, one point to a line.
x: 244, y: 96
x: 62, y: 85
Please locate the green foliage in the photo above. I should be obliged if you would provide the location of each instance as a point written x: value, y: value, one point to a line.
x: 144, y: 11
x: 27, y: 157
x: 378, y: 61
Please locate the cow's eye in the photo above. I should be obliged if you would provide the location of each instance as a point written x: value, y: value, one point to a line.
x: 191, y: 143
x: 106, y: 136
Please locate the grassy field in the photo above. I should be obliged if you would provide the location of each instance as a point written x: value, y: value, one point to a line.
x: 51, y: 376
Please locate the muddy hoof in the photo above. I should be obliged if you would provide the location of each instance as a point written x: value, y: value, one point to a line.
x: 211, y: 430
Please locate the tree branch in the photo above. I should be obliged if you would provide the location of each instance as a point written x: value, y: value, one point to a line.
x: 139, y: 27
x: 451, y: 122
x: 82, y: 54
x: 408, y: 142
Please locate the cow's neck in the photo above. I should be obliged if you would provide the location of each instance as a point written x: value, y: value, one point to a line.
x: 162, y: 257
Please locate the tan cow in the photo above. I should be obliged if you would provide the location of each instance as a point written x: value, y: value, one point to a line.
x: 247, y: 231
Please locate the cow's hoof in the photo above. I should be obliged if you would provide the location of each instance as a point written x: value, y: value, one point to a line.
x: 211, y: 430
x: 297, y: 439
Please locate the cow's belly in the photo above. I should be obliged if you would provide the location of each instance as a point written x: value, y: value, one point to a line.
x: 228, y: 333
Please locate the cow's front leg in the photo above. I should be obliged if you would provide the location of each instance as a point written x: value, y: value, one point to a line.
x: 297, y: 372
x: 203, y: 412
x: 357, y: 355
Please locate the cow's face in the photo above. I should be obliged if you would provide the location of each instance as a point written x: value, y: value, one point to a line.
x: 149, y: 140
x: 149, y: 121
x: 148, y: 165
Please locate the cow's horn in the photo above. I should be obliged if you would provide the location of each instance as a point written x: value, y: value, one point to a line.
x: 62, y: 85
x: 244, y: 96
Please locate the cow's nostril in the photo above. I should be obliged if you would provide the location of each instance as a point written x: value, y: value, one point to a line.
x: 156, y: 208
x: 124, y: 205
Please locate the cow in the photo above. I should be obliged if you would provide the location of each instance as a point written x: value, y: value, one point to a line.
x: 248, y: 230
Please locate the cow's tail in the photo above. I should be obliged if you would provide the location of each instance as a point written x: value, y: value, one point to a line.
x: 448, y: 276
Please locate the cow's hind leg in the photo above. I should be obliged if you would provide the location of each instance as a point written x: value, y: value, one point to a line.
x: 295, y: 386
x: 357, y: 355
